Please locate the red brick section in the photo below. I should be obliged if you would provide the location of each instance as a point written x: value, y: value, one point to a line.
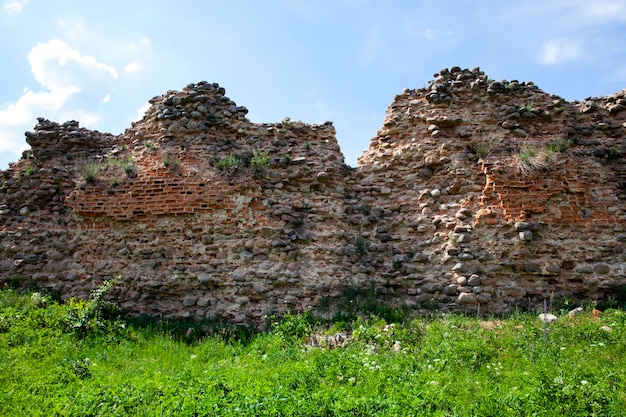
x: 158, y: 193
x: 565, y: 196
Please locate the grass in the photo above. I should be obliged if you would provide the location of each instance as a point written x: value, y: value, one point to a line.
x: 450, y: 365
x: 559, y: 145
x: 170, y: 160
x: 89, y: 170
x: 531, y: 160
x: 125, y: 163
x: 28, y: 171
x: 258, y: 160
x: 613, y: 154
x: 228, y: 163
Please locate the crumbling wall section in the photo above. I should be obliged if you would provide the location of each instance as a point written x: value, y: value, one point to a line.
x: 475, y: 195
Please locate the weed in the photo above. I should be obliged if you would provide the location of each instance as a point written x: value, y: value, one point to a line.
x: 293, y: 327
x: 612, y: 154
x: 79, y: 367
x: 87, y: 318
x: 149, y: 144
x: 171, y: 161
x: 455, y: 239
x: 130, y: 170
x: 362, y: 245
x: 260, y: 161
x: 228, y: 163
x: 483, y: 147
x: 16, y: 281
x: 397, y: 264
x: 287, y: 157
x: 527, y: 153
x: 307, y: 145
x: 531, y: 160
x: 28, y: 171
x: 89, y: 170
x: 125, y: 163
x: 481, y: 150
x: 560, y: 145
x: 528, y: 107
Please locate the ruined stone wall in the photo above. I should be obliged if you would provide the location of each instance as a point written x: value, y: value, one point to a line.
x: 475, y: 194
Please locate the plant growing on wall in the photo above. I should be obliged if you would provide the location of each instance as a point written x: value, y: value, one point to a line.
x: 560, y: 145
x: 28, y: 171
x: 171, y: 161
x: 228, y: 163
x: 89, y: 170
x: 361, y: 245
x: 260, y: 161
x: 531, y: 159
x: 483, y: 147
x: 125, y: 163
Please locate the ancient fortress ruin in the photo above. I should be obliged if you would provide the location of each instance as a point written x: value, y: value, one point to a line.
x: 474, y: 195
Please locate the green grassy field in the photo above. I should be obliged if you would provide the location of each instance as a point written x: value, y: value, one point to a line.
x: 80, y: 359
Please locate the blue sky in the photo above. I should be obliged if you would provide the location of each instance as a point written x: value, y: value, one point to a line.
x: 311, y: 60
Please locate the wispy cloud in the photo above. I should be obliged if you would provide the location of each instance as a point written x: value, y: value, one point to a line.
x: 558, y: 51
x: 73, y: 28
x: 604, y: 10
x: 133, y: 68
x: 143, y: 43
x: 14, y: 6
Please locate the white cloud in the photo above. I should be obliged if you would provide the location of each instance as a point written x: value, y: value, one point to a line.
x: 557, y: 51
x: 106, y: 99
x: 141, y: 111
x: 87, y: 119
x: 18, y: 117
x: 14, y: 6
x: 58, y: 52
x: 133, y: 68
x: 72, y: 88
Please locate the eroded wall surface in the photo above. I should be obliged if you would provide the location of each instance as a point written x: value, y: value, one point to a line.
x: 475, y: 194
